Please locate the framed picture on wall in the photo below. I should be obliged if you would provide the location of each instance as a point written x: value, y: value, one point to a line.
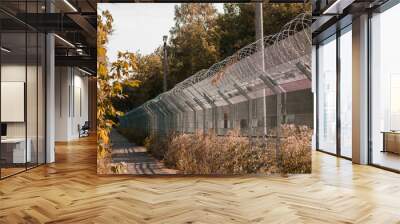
x: 12, y: 101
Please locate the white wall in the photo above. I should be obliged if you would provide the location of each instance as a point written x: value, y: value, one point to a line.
x: 79, y: 115
x: 62, y: 82
x: 71, y: 87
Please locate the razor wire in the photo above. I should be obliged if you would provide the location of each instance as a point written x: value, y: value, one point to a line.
x: 262, y: 86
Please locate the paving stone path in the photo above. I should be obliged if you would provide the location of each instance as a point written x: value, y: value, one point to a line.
x: 138, y: 159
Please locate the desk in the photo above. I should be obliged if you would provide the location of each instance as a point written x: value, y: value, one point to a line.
x: 391, y: 141
x: 13, y: 150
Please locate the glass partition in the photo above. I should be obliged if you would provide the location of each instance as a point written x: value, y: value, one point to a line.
x: 22, y: 90
x: 13, y: 86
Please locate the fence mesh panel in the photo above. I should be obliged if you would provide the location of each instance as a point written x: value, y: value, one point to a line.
x: 257, y: 89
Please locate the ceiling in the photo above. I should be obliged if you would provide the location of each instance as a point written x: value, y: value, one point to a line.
x: 73, y: 22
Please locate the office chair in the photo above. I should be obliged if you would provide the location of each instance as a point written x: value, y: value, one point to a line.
x: 84, y: 130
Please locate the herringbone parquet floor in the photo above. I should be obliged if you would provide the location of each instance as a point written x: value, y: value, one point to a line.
x: 69, y: 191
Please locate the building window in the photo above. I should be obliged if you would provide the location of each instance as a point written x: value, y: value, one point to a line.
x: 385, y: 89
x: 346, y: 92
x: 327, y: 95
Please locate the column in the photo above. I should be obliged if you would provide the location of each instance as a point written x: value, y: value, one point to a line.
x: 360, y: 90
x: 50, y: 98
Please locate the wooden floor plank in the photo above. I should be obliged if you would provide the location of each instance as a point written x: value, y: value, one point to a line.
x: 70, y: 191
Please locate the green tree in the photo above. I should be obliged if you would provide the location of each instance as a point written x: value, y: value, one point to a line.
x: 110, y: 84
x: 149, y: 73
x: 200, y: 38
x: 236, y: 24
x: 194, y: 40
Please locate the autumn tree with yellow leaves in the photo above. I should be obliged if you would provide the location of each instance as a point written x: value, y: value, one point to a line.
x: 111, y: 77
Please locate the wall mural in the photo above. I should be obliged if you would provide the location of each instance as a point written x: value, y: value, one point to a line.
x: 211, y: 98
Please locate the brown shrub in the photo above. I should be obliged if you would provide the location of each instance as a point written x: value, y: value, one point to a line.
x: 296, y: 149
x: 201, y: 153
x: 157, y: 144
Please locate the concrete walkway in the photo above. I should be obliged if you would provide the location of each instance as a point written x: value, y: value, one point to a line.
x: 138, y: 159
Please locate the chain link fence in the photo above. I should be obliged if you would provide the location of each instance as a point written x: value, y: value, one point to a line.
x: 256, y: 90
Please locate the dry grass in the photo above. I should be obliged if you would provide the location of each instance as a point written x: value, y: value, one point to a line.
x: 233, y: 154
x: 296, y: 149
x: 157, y: 145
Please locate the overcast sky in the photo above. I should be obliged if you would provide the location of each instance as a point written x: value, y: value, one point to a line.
x: 139, y: 26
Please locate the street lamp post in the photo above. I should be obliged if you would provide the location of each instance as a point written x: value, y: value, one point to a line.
x: 165, y: 63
